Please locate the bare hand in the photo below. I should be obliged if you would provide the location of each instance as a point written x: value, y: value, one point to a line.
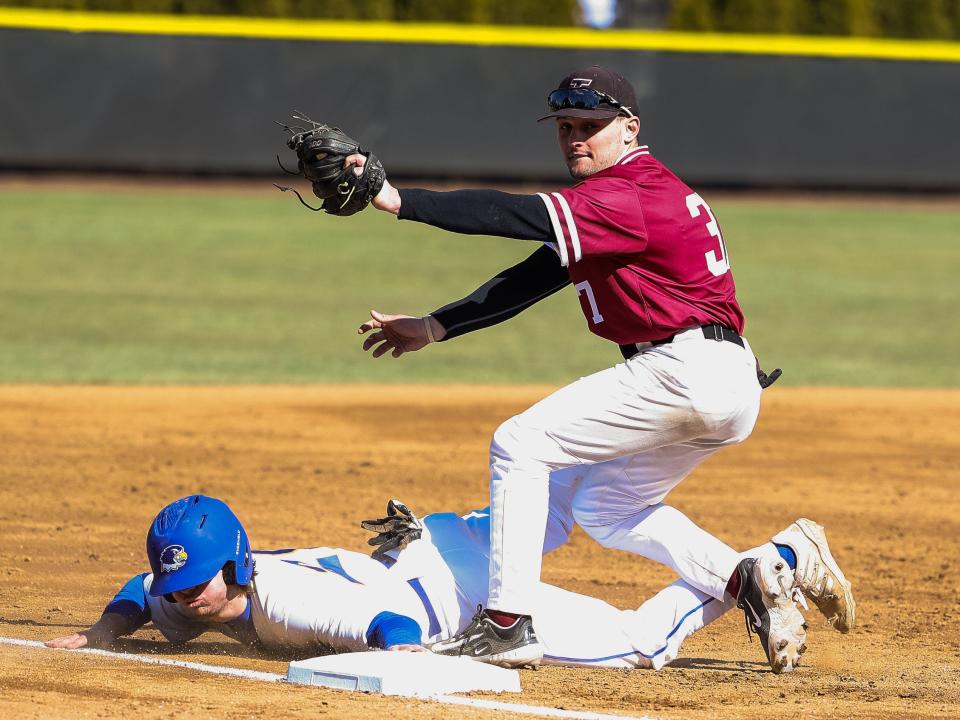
x: 103, y: 633
x: 399, y: 333
x: 68, y: 642
x: 406, y: 648
x: 388, y: 199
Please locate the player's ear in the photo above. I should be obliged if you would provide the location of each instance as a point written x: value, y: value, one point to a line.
x: 630, y: 127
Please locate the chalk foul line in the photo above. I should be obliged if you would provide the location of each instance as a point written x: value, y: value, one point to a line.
x: 260, y: 676
x: 149, y: 660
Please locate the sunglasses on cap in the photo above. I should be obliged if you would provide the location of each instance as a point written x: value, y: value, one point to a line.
x: 583, y: 99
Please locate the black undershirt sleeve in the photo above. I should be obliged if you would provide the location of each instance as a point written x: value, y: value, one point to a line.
x: 479, y: 212
x: 506, y: 295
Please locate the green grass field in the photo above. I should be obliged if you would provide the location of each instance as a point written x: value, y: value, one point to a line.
x: 171, y: 287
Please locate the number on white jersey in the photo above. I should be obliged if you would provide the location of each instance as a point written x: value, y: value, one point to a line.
x: 584, y: 287
x: 717, y: 266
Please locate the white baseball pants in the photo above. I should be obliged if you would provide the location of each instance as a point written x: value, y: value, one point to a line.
x: 451, y: 564
x: 639, y: 428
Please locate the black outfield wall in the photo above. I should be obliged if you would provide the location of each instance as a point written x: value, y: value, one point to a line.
x: 207, y: 104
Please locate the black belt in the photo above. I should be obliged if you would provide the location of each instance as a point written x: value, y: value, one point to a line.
x: 710, y: 332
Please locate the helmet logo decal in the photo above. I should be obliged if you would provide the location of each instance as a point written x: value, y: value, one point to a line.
x: 172, y: 557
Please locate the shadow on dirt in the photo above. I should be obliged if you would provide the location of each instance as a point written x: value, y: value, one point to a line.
x: 225, y: 648
x: 35, y: 623
x: 690, y: 663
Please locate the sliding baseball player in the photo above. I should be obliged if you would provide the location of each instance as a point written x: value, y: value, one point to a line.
x: 421, y: 588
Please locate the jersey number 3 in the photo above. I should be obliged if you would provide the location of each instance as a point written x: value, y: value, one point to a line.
x: 716, y: 265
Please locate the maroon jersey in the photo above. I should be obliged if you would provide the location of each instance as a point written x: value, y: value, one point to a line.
x: 644, y: 252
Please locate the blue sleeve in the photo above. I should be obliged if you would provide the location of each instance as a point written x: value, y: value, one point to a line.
x: 388, y: 629
x: 131, y: 603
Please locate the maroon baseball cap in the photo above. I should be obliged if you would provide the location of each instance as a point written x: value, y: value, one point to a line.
x: 595, y: 92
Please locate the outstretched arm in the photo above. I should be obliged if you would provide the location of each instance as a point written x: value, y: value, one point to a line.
x: 125, y: 613
x: 506, y: 295
x: 471, y: 212
x: 104, y: 632
x: 479, y: 212
x: 500, y: 298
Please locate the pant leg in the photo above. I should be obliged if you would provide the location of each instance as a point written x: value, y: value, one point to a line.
x: 577, y: 630
x: 665, y: 535
x: 618, y: 504
x: 668, y: 395
x: 562, y: 489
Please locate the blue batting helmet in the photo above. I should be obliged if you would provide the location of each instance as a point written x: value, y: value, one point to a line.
x: 191, y: 540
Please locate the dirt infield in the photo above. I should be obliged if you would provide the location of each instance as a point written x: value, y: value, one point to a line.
x: 84, y: 469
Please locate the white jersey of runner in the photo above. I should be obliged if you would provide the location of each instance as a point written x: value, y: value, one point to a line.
x: 321, y: 599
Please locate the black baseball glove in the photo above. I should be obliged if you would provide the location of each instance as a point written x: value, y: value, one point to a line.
x: 321, y: 151
x: 394, y: 532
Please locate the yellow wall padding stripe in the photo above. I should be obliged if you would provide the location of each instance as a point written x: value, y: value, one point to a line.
x: 482, y: 35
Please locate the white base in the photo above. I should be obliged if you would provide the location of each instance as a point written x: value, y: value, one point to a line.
x: 402, y: 673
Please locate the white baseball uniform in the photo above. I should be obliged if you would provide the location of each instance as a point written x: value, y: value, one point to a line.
x: 326, y: 599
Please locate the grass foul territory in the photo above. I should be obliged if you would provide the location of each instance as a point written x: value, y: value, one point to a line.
x: 103, y: 286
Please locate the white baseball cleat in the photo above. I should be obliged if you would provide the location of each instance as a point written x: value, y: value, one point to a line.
x: 818, y: 575
x: 766, y: 597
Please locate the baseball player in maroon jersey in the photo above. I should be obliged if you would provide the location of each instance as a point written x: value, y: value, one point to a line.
x: 647, y: 259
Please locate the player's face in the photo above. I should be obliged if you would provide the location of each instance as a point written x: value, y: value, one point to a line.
x: 589, y: 145
x: 206, y: 600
